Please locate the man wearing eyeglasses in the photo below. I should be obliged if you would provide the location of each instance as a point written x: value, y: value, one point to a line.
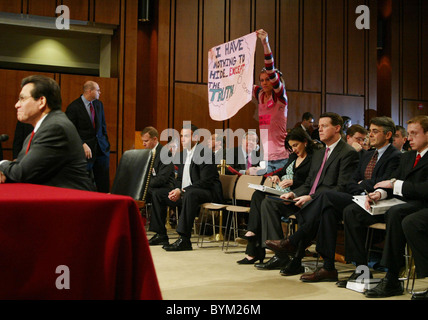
x: 52, y: 154
x: 355, y: 136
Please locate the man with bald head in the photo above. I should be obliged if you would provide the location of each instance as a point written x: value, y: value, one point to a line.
x: 87, y: 114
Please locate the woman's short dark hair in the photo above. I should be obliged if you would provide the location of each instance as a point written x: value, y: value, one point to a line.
x: 298, y: 134
x: 45, y: 87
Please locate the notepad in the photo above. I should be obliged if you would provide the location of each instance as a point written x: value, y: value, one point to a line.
x: 380, y: 207
x: 265, y: 189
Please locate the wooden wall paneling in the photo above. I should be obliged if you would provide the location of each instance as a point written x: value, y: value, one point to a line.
x: 129, y: 75
x: 186, y: 40
x: 424, y: 51
x: 312, y: 38
x: 108, y: 11
x: 240, y: 18
x: 351, y: 106
x: 213, y: 15
x: 10, y: 6
x: 335, y: 46
x: 79, y: 9
x: 356, y: 53
x: 371, y: 56
x: 410, y: 49
x: 289, y: 44
x: 191, y: 104
x: 266, y: 20
x: 165, y: 65
x: 9, y: 94
x: 303, y: 102
x: 42, y: 7
x: 411, y: 109
x: 240, y: 25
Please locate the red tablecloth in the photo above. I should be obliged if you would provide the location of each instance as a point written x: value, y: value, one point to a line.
x: 99, y: 238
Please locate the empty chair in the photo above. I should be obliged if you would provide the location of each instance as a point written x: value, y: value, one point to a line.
x: 132, y: 175
x: 242, y: 193
x: 228, y: 185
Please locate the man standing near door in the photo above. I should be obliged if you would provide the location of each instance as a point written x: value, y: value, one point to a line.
x: 87, y: 114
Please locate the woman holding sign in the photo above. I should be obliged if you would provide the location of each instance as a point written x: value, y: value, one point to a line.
x: 272, y: 109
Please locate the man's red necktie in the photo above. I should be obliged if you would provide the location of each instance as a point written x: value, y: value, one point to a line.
x: 91, y: 107
x: 29, y: 142
x: 417, y: 160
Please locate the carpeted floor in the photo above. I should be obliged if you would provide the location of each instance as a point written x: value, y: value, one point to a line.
x: 212, y: 274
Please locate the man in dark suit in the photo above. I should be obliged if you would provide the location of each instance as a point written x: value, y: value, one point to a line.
x: 331, y: 169
x: 246, y: 155
x: 87, y: 114
x: 409, y: 183
x: 52, y: 154
x: 197, y: 182
x: 321, y: 217
x: 162, y: 175
x: 306, y: 123
x: 415, y: 228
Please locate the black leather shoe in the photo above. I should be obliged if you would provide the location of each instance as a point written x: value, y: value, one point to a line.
x: 385, y: 288
x: 180, y: 245
x: 248, y: 261
x: 420, y: 295
x: 291, y: 269
x: 274, y: 263
x: 353, y: 276
x: 158, y: 239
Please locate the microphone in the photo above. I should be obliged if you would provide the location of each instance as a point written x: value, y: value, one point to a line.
x: 4, y: 137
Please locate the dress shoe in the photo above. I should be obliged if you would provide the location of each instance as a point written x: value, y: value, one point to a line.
x: 420, y: 295
x: 274, y: 263
x: 283, y: 246
x: 385, y: 288
x: 320, y: 275
x: 158, y: 239
x: 241, y: 240
x: 250, y: 261
x: 181, y: 244
x: 292, y: 269
x: 353, y: 276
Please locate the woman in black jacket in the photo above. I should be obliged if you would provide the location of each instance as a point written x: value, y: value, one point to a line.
x: 292, y: 175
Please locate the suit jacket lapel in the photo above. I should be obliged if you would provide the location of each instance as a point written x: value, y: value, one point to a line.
x: 422, y: 163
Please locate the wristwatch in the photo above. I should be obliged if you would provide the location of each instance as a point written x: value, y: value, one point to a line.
x: 392, y: 182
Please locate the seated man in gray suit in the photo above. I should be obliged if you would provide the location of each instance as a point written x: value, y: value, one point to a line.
x: 331, y: 169
x: 52, y: 154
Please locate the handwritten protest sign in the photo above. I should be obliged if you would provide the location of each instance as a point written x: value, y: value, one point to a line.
x: 230, y: 76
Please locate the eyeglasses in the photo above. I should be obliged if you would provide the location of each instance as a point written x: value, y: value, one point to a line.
x: 374, y: 131
x: 22, y: 99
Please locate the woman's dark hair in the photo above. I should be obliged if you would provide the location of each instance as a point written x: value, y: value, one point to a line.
x: 298, y: 134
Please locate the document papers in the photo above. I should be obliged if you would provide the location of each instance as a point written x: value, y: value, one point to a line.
x: 380, y: 207
x: 265, y: 189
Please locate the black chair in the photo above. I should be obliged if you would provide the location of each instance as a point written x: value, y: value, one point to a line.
x: 133, y: 175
